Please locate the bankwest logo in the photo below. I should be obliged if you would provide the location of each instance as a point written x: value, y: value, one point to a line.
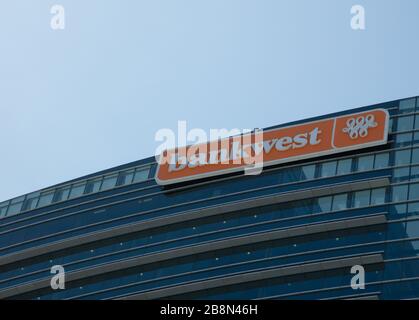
x: 264, y: 148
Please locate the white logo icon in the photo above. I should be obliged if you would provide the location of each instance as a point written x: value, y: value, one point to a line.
x: 359, y: 127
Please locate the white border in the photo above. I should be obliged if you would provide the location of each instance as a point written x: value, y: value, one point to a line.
x: 334, y: 150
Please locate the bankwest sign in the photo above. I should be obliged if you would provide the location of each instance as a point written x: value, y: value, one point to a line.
x: 297, y: 142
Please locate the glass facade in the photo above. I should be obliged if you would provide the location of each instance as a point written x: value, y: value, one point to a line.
x: 292, y: 232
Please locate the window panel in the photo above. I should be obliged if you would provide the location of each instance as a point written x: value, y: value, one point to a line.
x: 399, y: 209
x: 381, y: 160
x: 93, y: 186
x: 45, y: 199
x: 414, y: 191
x: 361, y: 198
x: 29, y: 204
x: 325, y: 204
x: 344, y: 166
x: 141, y: 175
x: 328, y: 169
x: 125, y: 177
x: 405, y: 123
x: 399, y: 193
x: 77, y: 190
x: 308, y: 171
x: 14, y: 209
x: 31, y: 201
x: 340, y: 202
x: 412, y: 229
x: 404, y: 138
x: 390, y: 125
x: 61, y: 194
x: 417, y: 122
x: 378, y: 196
x: 415, y: 156
x: 3, y: 210
x: 402, y: 157
x: 109, y: 182
x: 414, y: 172
x: 407, y: 105
x: 401, y: 173
x: 413, y: 208
x: 365, y: 163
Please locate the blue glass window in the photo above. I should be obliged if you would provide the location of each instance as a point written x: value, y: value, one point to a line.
x: 401, y: 173
x: 381, y: 160
x: 378, y: 196
x: 3, y: 208
x: 45, y: 199
x: 402, y: 157
x: 125, y: 177
x: 404, y: 138
x: 361, y: 198
x: 340, y: 202
x: 365, y: 163
x: 413, y: 208
x: 61, y: 194
x: 141, y: 175
x: 405, y: 123
x: 308, y: 172
x: 414, y: 172
x: 109, y: 182
x: 31, y: 201
x: 415, y: 156
x: 399, y: 209
x: 399, y: 193
x: 93, y: 186
x: 344, y: 166
x: 414, y: 191
x: 390, y: 125
x: 325, y: 204
x: 14, y: 209
x: 77, y: 190
x: 407, y: 105
x: 412, y: 229
x: 328, y: 169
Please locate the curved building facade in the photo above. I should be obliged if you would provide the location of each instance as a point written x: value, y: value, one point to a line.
x: 295, y: 231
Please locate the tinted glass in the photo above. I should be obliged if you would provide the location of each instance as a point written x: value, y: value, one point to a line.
x: 402, y: 157
x: 381, y: 160
x: 365, y: 163
x: 328, y: 169
x: 141, y: 175
x: 308, y: 171
x: 344, y: 166
x: 108, y: 182
x: 361, y: 198
x: 405, y: 123
x: 77, y: 190
x: 378, y: 196
x: 45, y: 199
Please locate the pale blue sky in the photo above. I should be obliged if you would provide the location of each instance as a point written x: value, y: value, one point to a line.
x: 92, y: 96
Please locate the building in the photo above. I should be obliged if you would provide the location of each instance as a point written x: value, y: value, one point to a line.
x: 295, y: 231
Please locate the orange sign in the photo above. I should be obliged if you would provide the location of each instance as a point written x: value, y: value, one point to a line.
x: 302, y: 141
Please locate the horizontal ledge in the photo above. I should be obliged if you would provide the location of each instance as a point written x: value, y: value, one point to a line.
x: 257, y: 276
x: 190, y: 215
x: 278, y: 234
x: 373, y: 297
